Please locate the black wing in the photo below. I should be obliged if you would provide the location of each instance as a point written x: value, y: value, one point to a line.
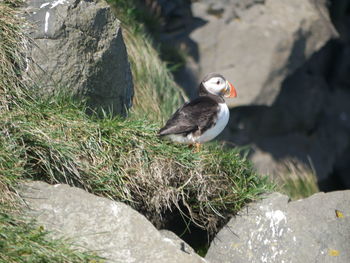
x: 198, y: 115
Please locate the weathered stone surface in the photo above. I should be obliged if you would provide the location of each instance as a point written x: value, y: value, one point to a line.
x: 79, y: 46
x: 292, y: 83
x: 257, y: 46
x: 111, y: 229
x: 177, y: 241
x: 316, y: 229
x: 307, y: 123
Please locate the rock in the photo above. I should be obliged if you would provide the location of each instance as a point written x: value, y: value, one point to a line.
x: 316, y: 229
x: 288, y: 74
x: 307, y: 122
x: 174, y: 15
x: 112, y: 229
x: 318, y: 151
x: 259, y: 45
x: 177, y: 241
x: 340, y: 174
x: 338, y: 116
x: 78, y: 45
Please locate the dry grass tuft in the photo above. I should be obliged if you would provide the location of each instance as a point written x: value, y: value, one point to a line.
x: 12, y: 59
x: 156, y: 94
x: 124, y: 160
x: 23, y: 242
x: 52, y: 139
x: 297, y: 180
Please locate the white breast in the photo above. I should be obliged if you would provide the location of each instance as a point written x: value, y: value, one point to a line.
x: 211, y: 133
x: 221, y: 122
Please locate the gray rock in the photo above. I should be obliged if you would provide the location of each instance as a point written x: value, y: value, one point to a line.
x: 307, y: 122
x: 319, y: 152
x: 79, y: 45
x: 111, y: 229
x: 275, y: 230
x: 177, y: 241
x: 260, y: 46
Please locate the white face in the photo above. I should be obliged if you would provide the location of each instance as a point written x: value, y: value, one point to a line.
x: 216, y: 86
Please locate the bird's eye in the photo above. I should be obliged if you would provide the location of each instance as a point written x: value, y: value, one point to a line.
x: 218, y: 82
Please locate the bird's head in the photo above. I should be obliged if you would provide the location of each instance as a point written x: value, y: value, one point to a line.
x: 216, y: 84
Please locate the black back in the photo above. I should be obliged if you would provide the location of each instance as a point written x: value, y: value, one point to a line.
x: 197, y: 115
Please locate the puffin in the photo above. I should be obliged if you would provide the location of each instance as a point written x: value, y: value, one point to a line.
x: 203, y: 118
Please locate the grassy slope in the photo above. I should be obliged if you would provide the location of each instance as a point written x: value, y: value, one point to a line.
x: 22, y: 242
x: 12, y: 42
x: 156, y: 94
x: 53, y: 140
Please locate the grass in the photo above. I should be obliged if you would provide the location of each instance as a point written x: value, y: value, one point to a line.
x: 22, y: 242
x: 53, y: 140
x: 12, y: 45
x: 156, y: 94
x: 296, y: 180
x: 124, y: 160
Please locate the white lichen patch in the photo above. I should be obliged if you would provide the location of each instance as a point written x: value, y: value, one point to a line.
x: 276, y: 221
x: 53, y: 4
x: 46, y: 26
x: 115, y: 209
x: 250, y: 245
x: 44, y: 4
x: 258, y: 220
x: 57, y: 2
x: 168, y: 240
x: 276, y: 217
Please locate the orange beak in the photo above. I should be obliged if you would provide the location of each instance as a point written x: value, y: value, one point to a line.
x: 231, y: 93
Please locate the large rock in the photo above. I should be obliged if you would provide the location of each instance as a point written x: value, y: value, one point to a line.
x: 257, y: 45
x: 78, y: 45
x: 111, y: 229
x: 316, y: 229
x: 292, y: 82
x: 308, y: 122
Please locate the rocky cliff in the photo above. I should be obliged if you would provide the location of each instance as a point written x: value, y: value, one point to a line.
x: 289, y: 63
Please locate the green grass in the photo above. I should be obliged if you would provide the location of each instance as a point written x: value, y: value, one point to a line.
x: 156, y: 94
x: 20, y: 241
x: 55, y: 141
x: 23, y: 242
x: 12, y: 45
x: 297, y: 180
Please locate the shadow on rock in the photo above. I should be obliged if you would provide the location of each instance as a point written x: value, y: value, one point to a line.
x: 308, y: 122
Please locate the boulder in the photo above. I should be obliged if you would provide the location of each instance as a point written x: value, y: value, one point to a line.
x: 315, y: 229
x: 177, y: 241
x: 257, y: 44
x: 111, y: 229
x: 308, y: 121
x: 78, y: 45
x: 289, y: 74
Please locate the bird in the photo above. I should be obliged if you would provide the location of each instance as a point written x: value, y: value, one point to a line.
x: 203, y: 118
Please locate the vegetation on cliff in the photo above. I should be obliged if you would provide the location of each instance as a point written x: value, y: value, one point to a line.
x: 52, y: 139
x: 156, y: 94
